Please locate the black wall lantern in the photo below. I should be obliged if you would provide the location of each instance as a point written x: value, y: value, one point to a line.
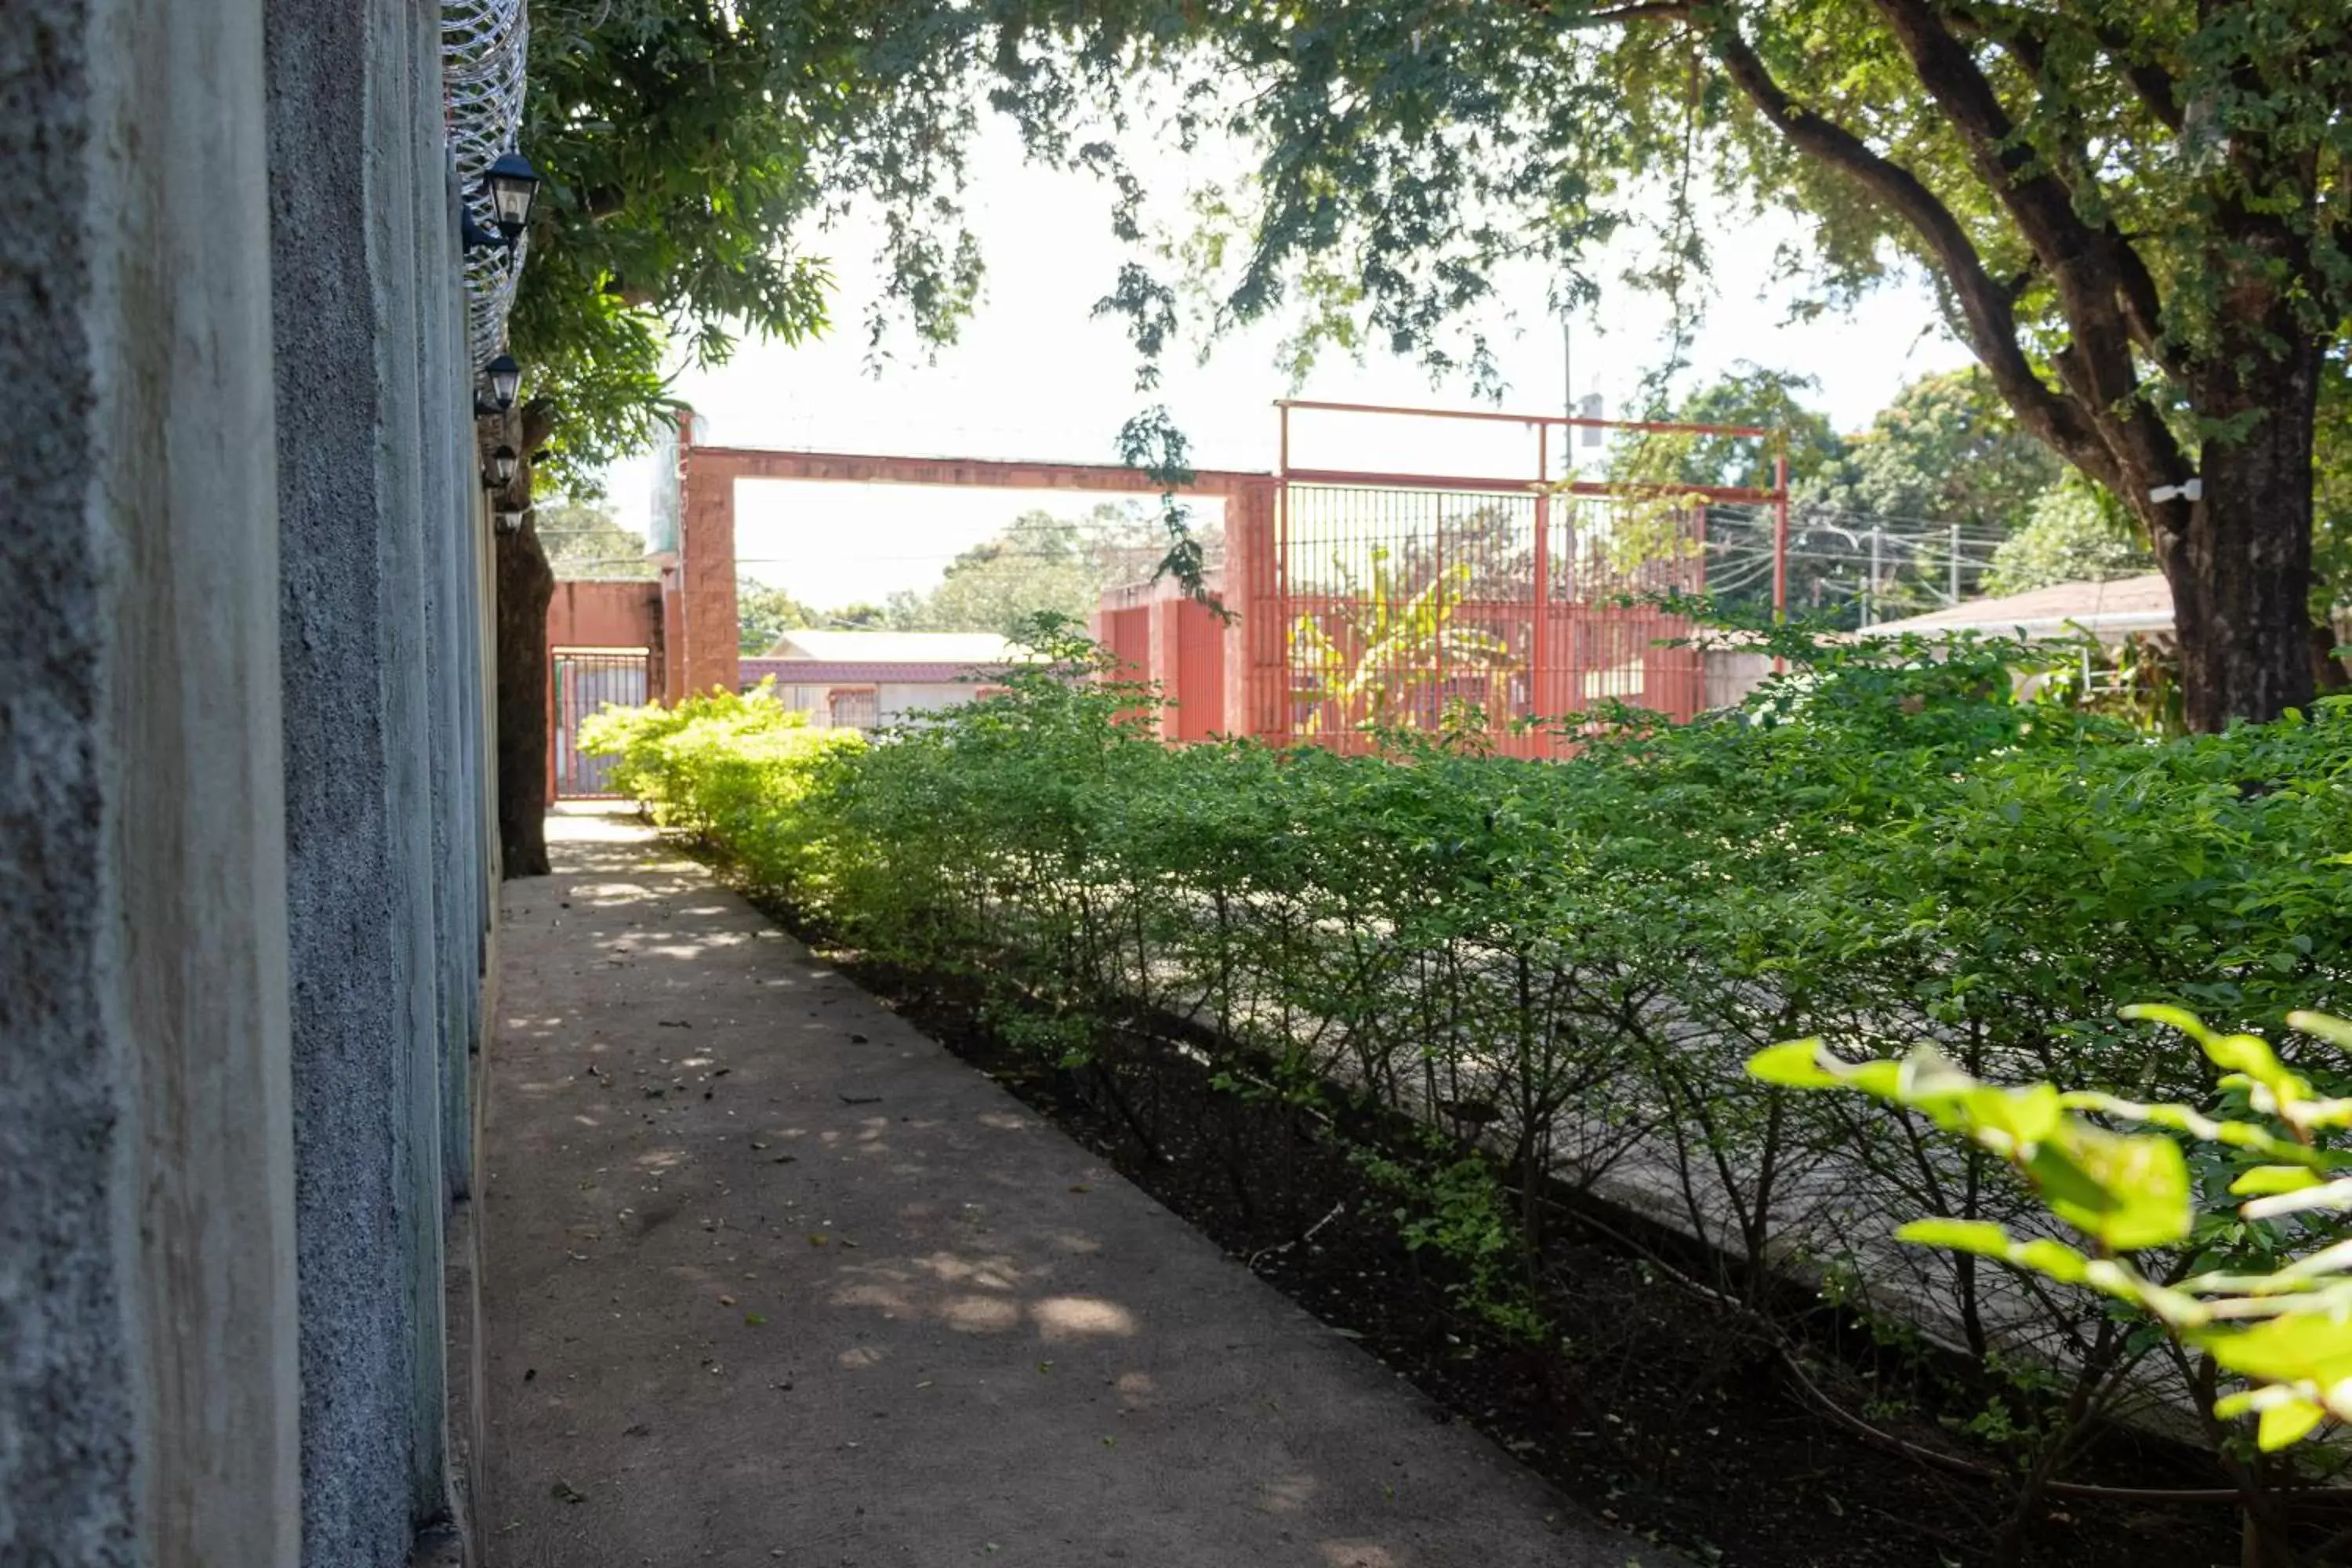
x: 507, y: 519
x: 500, y: 471
x: 511, y: 183
x: 505, y: 378
x: 475, y: 236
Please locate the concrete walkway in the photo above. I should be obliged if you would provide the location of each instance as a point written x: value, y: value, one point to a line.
x: 772, y: 1277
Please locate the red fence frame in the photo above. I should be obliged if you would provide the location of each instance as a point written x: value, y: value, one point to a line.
x: 1532, y: 641
x: 1234, y: 673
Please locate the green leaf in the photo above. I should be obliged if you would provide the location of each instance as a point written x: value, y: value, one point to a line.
x: 2334, y: 1194
x: 2287, y: 1422
x: 1793, y: 1064
x: 1979, y: 1236
x: 2266, y: 1179
x: 2181, y: 1018
x: 2337, y: 1032
x: 2054, y: 1259
x: 2066, y: 1187
x: 2129, y: 1190
x: 2309, y: 1347
x: 2024, y: 1115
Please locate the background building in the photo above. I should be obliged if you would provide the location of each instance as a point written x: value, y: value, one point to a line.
x: 857, y: 680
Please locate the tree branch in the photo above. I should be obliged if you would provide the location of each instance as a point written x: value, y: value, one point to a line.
x: 538, y: 421
x: 2027, y: 36
x: 1652, y: 11
x: 2030, y: 30
x: 2110, y: 299
x: 2109, y: 302
x: 1985, y: 305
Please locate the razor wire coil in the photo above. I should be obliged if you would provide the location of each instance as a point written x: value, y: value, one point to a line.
x: 483, y: 46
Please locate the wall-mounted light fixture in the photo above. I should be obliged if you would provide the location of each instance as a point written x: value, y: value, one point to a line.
x: 475, y: 236
x: 511, y: 183
x: 499, y: 471
x: 505, y: 379
x: 507, y: 519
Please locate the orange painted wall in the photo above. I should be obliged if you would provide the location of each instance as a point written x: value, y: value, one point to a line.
x: 605, y: 615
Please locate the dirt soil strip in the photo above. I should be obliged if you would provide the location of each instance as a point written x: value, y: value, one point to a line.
x: 773, y: 1278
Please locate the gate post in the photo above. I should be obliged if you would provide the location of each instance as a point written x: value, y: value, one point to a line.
x: 1256, y: 669
x: 1539, y: 648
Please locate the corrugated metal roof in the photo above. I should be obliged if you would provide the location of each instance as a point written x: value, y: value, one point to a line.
x: 2121, y: 604
x: 858, y: 672
x: 893, y: 647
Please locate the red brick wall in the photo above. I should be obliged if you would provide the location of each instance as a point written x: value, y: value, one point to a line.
x: 706, y: 626
x: 605, y: 615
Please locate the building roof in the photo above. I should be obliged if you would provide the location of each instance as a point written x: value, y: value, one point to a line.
x: 2104, y: 609
x: 958, y: 648
x: 855, y: 672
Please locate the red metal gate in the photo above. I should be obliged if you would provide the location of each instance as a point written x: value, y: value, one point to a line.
x: 585, y: 682
x: 1430, y: 601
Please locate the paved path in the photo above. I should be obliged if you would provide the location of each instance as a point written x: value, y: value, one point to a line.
x: 773, y: 1278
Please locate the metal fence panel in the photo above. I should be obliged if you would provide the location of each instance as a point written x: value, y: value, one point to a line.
x: 1454, y: 608
x: 586, y: 681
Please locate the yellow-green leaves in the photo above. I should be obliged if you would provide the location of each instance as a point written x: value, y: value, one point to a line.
x: 1795, y: 1064
x: 2300, y: 1347
x: 2125, y: 1191
x: 2261, y: 1181
x: 2248, y: 1059
x: 2128, y: 1189
x: 2052, y: 1259
x: 2287, y: 1330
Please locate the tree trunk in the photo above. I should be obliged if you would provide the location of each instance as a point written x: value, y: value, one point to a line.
x: 2239, y: 560
x: 525, y: 585
x: 2327, y: 671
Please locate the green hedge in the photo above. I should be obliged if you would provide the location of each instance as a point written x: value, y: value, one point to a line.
x: 1566, y: 965
x: 733, y: 772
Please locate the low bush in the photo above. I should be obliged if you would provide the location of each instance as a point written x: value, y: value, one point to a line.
x: 1562, y: 968
x: 729, y: 771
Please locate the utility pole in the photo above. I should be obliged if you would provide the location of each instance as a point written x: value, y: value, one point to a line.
x: 1567, y: 388
x: 1956, y: 564
x: 1870, y: 589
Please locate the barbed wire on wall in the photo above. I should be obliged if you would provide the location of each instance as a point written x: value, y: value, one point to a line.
x: 483, y: 46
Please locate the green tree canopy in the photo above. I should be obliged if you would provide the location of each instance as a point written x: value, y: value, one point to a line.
x: 584, y: 543
x: 2132, y: 210
x: 2072, y: 534
x: 1751, y: 396
x: 686, y: 150
x: 763, y: 614
x: 1947, y: 450
x: 1040, y: 563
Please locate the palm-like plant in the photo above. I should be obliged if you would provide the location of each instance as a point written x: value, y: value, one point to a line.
x: 1383, y: 639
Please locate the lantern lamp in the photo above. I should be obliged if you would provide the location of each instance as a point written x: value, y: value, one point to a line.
x: 511, y: 183
x: 500, y: 470
x: 507, y: 519
x: 505, y: 377
x: 475, y: 236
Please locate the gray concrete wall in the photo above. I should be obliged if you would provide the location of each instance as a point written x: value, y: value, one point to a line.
x: 243, y: 874
x: 378, y: 622
x: 147, y: 1306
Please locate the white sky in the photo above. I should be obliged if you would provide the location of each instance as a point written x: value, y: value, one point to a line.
x: 1034, y: 376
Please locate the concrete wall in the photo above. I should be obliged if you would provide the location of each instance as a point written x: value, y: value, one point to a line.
x: 381, y: 651
x: 245, y: 873
x: 1731, y: 675
x: 147, y: 1304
